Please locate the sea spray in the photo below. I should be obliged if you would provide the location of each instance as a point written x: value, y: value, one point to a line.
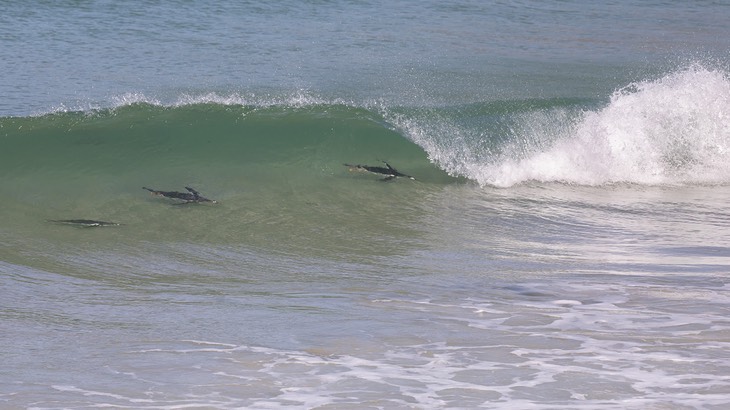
x: 673, y: 130
x: 670, y: 130
x: 468, y: 141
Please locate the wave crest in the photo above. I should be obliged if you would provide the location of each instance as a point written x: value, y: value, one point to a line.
x: 672, y: 130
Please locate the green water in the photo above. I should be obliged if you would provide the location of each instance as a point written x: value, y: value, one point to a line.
x: 277, y: 174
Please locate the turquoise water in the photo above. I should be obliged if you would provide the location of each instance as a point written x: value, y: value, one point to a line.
x: 563, y: 244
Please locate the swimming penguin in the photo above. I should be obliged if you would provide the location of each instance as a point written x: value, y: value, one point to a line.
x: 389, y: 172
x: 85, y: 223
x: 188, y: 197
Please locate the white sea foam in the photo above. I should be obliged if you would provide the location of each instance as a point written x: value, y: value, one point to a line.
x: 671, y: 130
x: 610, y: 345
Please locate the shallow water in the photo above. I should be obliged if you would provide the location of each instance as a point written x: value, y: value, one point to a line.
x: 507, y: 298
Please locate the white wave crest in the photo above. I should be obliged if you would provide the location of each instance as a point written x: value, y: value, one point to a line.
x: 674, y: 130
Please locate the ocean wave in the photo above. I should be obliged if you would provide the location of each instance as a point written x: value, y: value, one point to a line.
x: 672, y: 130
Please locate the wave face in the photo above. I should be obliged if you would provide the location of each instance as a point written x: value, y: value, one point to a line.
x: 275, y: 168
x: 671, y: 130
x: 199, y: 136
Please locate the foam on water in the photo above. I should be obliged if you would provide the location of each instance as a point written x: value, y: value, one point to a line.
x: 608, y: 344
x: 671, y: 130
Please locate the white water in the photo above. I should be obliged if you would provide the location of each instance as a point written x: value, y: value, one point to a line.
x: 673, y: 130
x: 582, y: 343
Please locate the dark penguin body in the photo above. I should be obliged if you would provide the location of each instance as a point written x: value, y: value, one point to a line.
x: 86, y: 223
x: 187, y: 197
x: 389, y: 172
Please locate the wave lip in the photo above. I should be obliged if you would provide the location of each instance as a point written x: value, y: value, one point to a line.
x: 674, y: 130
